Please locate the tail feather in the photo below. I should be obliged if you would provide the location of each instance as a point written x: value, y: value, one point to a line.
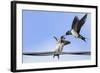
x: 83, y: 38
x: 56, y: 55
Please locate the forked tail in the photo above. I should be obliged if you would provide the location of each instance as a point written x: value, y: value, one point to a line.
x: 56, y: 55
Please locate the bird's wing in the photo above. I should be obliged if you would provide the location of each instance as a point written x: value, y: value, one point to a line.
x: 75, y: 23
x: 55, y: 38
x: 52, y: 53
x: 81, y: 22
x: 66, y: 42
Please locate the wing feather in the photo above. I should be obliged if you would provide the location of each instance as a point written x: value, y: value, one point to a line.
x: 66, y: 42
x: 81, y: 22
x: 75, y: 23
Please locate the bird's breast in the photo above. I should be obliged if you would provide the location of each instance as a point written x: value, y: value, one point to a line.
x: 59, y: 47
x: 74, y: 33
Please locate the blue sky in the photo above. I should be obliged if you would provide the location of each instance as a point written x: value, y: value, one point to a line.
x: 39, y: 27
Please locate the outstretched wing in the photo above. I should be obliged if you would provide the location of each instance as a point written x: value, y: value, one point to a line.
x: 55, y: 38
x: 81, y: 22
x: 52, y: 53
x: 66, y: 42
x: 75, y: 23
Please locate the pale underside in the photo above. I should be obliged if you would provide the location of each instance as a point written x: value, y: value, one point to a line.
x: 74, y: 33
x: 59, y: 48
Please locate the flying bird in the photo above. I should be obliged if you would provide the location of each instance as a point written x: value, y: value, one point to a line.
x: 60, y: 45
x: 76, y: 27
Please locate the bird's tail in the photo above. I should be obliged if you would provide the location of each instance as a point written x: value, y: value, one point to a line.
x: 83, y: 38
x: 56, y: 55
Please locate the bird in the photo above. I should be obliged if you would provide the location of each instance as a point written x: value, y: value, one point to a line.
x: 60, y: 45
x: 76, y: 27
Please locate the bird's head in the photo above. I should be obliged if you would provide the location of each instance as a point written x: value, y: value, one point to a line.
x: 68, y: 33
x: 62, y: 37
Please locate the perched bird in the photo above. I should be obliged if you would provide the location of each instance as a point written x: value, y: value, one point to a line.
x: 60, y: 45
x: 76, y: 27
